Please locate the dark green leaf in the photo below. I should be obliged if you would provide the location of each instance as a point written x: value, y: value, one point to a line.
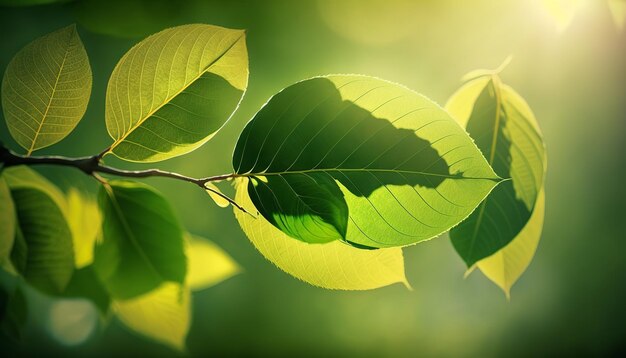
x: 86, y: 284
x: 13, y: 312
x: 7, y: 222
x: 48, y: 262
x: 142, y: 240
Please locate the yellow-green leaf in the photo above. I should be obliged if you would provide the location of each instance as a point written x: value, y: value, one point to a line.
x: 361, y: 160
x: 85, y: 220
x: 333, y: 265
x: 46, y: 89
x: 214, y: 192
x: 207, y: 263
x: 174, y: 90
x: 163, y: 314
x: 509, y: 263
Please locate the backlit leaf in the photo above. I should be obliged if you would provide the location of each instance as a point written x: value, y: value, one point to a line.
x: 509, y: 263
x: 46, y: 89
x: 85, y: 221
x: 505, y: 130
x: 362, y: 160
x: 214, y: 192
x: 174, y: 90
x: 333, y: 265
x: 208, y: 264
x: 163, y: 314
x: 142, y: 240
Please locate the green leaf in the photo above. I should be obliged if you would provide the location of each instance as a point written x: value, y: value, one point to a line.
x: 509, y: 263
x: 46, y: 89
x: 507, y: 133
x: 85, y: 221
x: 44, y: 254
x: 22, y: 177
x: 7, y: 222
x: 362, y: 160
x: 142, y: 240
x: 163, y: 314
x: 332, y: 265
x: 174, y: 90
x: 208, y: 264
x: 216, y: 195
x: 86, y: 284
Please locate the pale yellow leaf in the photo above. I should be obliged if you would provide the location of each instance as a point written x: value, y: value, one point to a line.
x: 85, y: 220
x: 207, y: 263
x: 163, y: 314
x: 332, y: 265
x: 213, y: 191
x: 507, y: 265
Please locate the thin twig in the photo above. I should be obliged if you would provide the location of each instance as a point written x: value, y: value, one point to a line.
x: 92, y: 165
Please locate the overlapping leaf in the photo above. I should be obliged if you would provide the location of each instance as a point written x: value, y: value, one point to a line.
x: 42, y: 251
x: 142, y: 241
x: 46, y: 89
x: 85, y: 221
x: 163, y: 314
x: 172, y: 91
x: 361, y: 160
x: 333, y: 265
x: 506, y: 131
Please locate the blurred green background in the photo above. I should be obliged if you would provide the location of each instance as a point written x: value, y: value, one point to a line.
x: 569, y: 62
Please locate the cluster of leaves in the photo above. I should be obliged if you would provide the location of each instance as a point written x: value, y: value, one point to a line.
x: 333, y: 176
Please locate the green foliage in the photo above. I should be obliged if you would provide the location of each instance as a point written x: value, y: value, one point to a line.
x: 7, y: 222
x: 129, y: 260
x: 362, y: 160
x: 507, y: 133
x: 332, y: 177
x: 172, y: 91
x: 42, y: 252
x: 46, y: 89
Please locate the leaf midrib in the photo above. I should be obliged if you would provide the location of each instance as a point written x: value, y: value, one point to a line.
x: 494, y: 141
x: 375, y: 170
x: 168, y: 100
x: 129, y: 232
x: 54, y: 88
